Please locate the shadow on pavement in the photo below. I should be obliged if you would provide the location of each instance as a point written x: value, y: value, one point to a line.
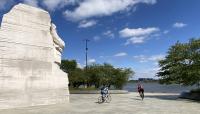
x: 138, y: 99
x: 98, y: 102
x: 163, y: 97
x: 167, y: 97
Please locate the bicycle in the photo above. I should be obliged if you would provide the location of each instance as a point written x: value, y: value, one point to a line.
x: 105, y: 98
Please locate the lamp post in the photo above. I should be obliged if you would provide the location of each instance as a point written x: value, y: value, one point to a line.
x: 86, y: 52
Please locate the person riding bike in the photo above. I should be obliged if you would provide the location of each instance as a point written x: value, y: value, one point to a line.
x: 140, y: 90
x: 104, y: 92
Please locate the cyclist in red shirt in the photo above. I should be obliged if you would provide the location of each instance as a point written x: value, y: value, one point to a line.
x: 140, y: 90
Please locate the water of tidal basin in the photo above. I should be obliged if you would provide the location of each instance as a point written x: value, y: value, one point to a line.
x: 158, y: 88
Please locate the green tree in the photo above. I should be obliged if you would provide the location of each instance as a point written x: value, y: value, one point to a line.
x: 93, y: 75
x: 182, y: 64
x: 96, y: 74
x: 106, y: 74
x: 76, y: 78
x: 68, y: 65
x: 121, y: 76
x: 75, y: 74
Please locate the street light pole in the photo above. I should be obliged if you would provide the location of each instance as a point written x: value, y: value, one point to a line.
x: 86, y: 52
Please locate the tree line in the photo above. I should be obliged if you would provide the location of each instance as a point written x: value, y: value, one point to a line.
x: 96, y: 75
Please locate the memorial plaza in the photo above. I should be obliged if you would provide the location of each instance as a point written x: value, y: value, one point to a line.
x: 131, y: 103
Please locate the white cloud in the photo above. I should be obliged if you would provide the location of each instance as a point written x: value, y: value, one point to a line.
x: 166, y: 32
x: 96, y: 8
x: 109, y: 34
x: 96, y: 38
x: 51, y: 5
x: 156, y: 57
x: 121, y: 54
x: 148, y: 70
x: 138, y: 32
x: 146, y: 73
x: 86, y: 24
x: 79, y: 65
x: 156, y: 63
x: 84, y: 8
x: 57, y: 4
x: 179, y: 25
x: 32, y: 2
x: 91, y: 61
x: 101, y: 56
x: 143, y: 58
x: 138, y: 35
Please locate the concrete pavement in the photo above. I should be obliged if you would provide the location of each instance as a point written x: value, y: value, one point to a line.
x: 154, y: 103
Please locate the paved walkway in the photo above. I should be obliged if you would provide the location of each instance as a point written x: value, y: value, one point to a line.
x: 154, y: 103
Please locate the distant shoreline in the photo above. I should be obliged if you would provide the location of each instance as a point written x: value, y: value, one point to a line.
x: 145, y: 81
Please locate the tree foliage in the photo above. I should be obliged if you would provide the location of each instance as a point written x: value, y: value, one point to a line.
x: 68, y: 65
x: 96, y: 75
x: 182, y: 64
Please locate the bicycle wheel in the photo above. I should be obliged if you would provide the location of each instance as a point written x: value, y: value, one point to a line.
x: 100, y: 100
x: 108, y: 98
x: 142, y: 95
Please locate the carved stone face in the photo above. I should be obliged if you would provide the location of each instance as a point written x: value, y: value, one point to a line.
x: 58, y: 44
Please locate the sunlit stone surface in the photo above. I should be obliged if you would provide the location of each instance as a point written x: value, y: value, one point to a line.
x: 30, y: 54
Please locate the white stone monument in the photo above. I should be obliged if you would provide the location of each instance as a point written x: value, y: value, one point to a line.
x: 30, y: 55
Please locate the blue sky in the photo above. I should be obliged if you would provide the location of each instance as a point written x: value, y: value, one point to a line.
x: 126, y: 33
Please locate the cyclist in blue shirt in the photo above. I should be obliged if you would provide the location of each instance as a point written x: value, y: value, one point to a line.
x: 104, y: 92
